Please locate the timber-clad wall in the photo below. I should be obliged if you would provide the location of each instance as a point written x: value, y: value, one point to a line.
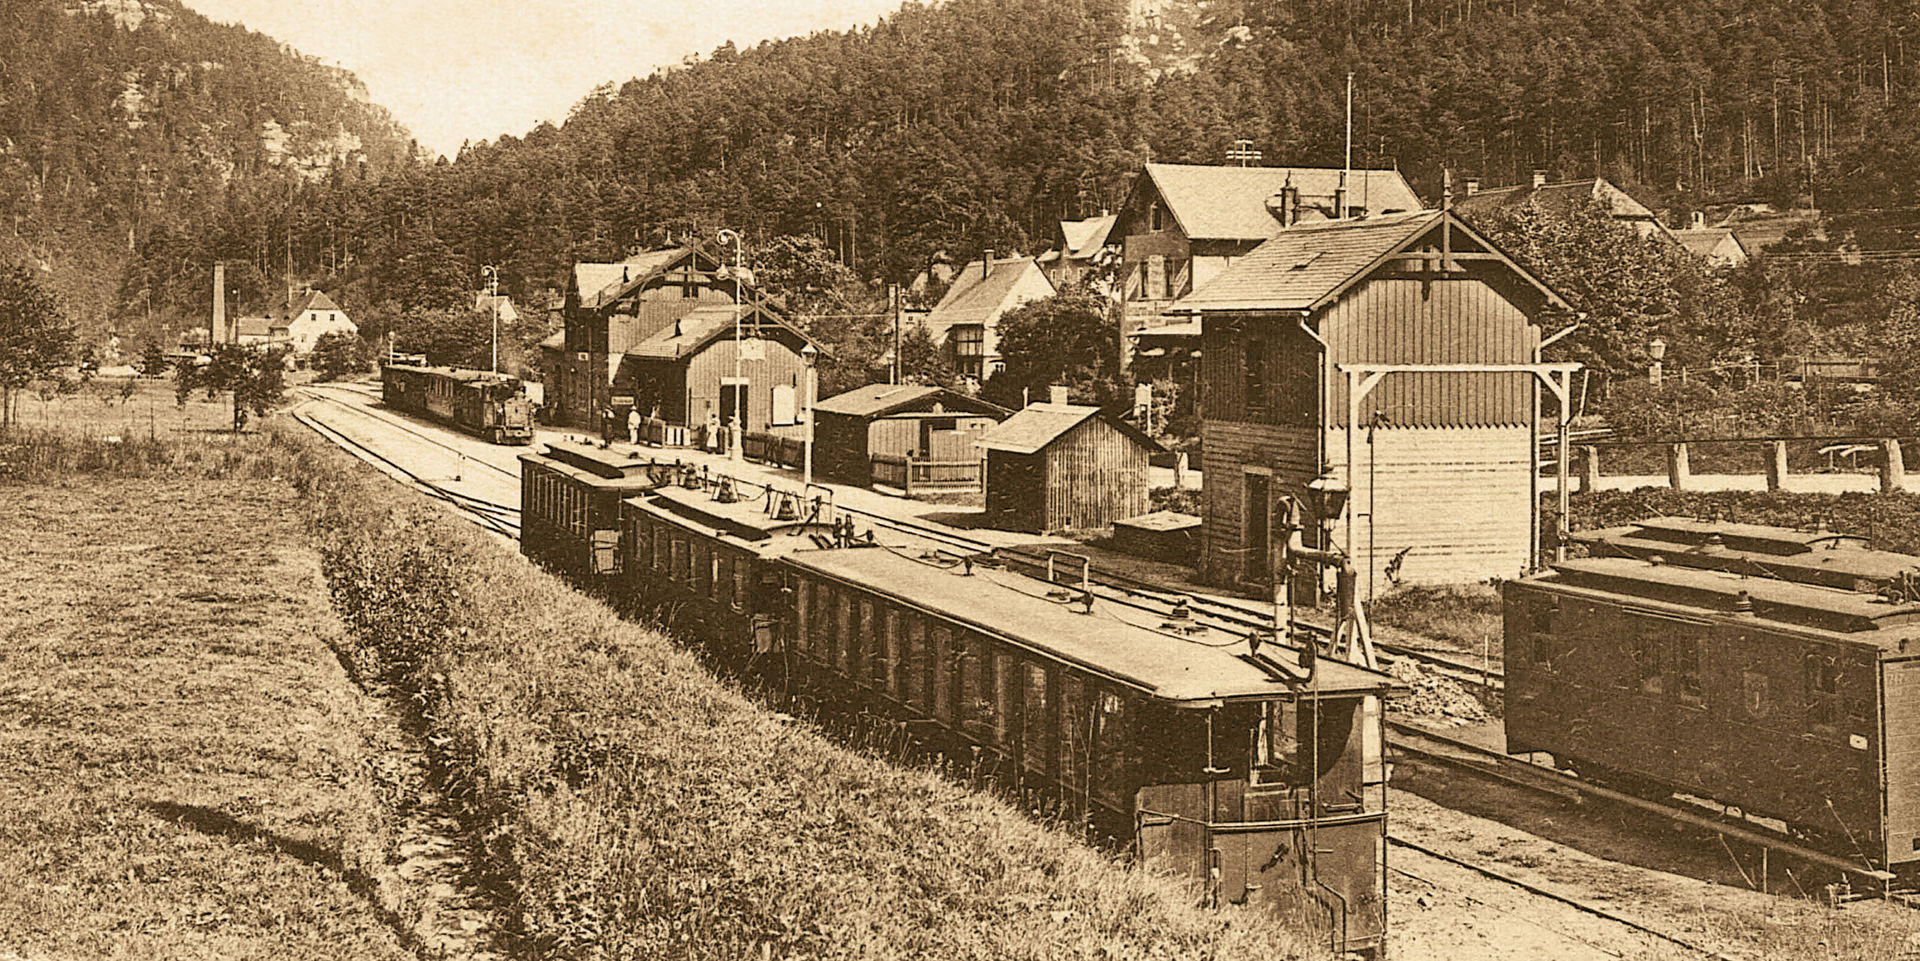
x: 1089, y: 477
x: 1432, y: 322
x: 1459, y: 498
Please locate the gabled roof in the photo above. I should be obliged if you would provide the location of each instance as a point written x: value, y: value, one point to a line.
x: 1232, y: 203
x: 501, y: 303
x: 259, y: 326
x: 704, y: 325
x: 1559, y: 197
x: 879, y: 400
x: 300, y: 304
x: 1084, y: 238
x: 597, y: 284
x: 981, y: 293
x: 1035, y: 426
x: 1709, y: 242
x: 1306, y: 267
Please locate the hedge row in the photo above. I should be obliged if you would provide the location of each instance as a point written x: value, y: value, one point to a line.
x: 1890, y: 521
x: 633, y: 806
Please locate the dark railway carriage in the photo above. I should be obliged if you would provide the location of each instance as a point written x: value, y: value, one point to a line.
x: 482, y: 403
x: 1764, y: 668
x: 570, y: 506
x: 1234, y: 769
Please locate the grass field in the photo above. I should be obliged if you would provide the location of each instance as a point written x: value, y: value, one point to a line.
x: 180, y: 762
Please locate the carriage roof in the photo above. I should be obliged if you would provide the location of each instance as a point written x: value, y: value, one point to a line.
x: 1122, y: 643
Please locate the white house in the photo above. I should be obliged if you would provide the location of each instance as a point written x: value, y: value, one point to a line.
x: 964, y: 322
x: 306, y: 317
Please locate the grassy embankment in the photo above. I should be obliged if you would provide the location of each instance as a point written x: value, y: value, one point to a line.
x: 629, y: 804
x: 182, y: 764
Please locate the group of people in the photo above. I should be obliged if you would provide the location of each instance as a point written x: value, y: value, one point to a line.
x: 713, y: 436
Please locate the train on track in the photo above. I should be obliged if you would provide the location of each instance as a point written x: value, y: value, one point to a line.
x: 1245, y: 761
x: 482, y: 403
x: 1765, y: 668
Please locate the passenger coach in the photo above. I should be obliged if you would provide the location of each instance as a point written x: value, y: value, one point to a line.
x: 1766, y: 668
x: 482, y: 403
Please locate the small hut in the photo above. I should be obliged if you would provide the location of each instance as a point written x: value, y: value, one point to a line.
x: 1056, y: 466
x: 891, y: 423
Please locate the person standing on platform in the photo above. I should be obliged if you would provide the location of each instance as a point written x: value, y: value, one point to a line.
x: 633, y: 426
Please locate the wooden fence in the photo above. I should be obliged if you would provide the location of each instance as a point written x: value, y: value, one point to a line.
x: 913, y: 473
x: 773, y: 449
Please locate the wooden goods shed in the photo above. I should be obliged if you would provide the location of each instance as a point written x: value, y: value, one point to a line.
x: 1056, y: 466
x: 898, y: 421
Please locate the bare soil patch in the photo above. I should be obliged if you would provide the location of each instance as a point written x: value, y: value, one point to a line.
x: 181, y: 763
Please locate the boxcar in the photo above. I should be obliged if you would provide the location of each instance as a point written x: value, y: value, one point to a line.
x: 482, y: 403
x: 1764, y: 668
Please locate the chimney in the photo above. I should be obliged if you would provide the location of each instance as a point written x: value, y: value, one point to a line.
x: 1539, y: 177
x: 1699, y: 220
x: 218, y: 332
x: 1057, y: 394
x: 1473, y: 186
x: 986, y: 263
x: 1289, y: 203
x: 1340, y: 198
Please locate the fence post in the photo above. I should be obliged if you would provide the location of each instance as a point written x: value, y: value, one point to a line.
x: 1893, y: 469
x: 1777, y: 466
x: 1589, y: 469
x: 1678, y: 471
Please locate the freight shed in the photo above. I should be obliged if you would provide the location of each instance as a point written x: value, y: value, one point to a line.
x: 898, y: 421
x: 1056, y: 466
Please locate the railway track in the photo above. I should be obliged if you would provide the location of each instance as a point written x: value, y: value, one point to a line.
x: 497, y: 518
x: 1421, y: 742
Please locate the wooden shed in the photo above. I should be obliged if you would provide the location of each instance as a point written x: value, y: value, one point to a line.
x: 899, y: 421
x: 1054, y: 467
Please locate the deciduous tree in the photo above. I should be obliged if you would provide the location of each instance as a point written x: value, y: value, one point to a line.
x: 36, y: 339
x: 1069, y: 339
x: 253, y: 376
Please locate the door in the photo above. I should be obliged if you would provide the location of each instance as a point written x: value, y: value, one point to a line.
x: 734, y: 398
x: 1257, y: 539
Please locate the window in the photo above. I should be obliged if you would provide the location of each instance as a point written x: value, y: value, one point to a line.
x: 1110, y: 755
x: 919, y: 664
x: 740, y: 568
x: 1753, y: 694
x: 892, y: 652
x: 1276, y: 743
x: 1036, y: 719
x: 1006, y: 680
x: 1540, y: 632
x: 942, y: 654
x: 1253, y: 361
x: 1154, y: 287
x: 1156, y: 217
x: 1686, y: 668
x: 804, y: 613
x: 1823, y: 689
x: 1643, y: 647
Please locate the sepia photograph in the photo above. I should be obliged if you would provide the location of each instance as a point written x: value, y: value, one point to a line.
x: 959, y: 480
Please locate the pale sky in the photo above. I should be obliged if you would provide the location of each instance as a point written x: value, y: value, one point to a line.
x: 457, y: 70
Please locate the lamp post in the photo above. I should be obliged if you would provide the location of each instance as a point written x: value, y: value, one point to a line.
x: 809, y: 354
x: 735, y: 451
x: 1657, y: 352
x: 493, y: 300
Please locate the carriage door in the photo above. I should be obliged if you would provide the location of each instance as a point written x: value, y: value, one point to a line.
x: 1900, y: 742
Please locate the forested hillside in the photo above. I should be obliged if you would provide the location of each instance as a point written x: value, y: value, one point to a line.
x: 977, y: 123
x: 948, y: 127
x: 128, y: 126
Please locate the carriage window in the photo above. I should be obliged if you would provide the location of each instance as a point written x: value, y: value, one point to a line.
x: 1823, y: 689
x: 677, y: 562
x: 740, y: 568
x: 942, y: 675
x: 891, y: 654
x: 1075, y: 740
x: 1644, y: 648
x: 1109, y: 740
x: 1686, y: 668
x: 803, y: 614
x: 662, y: 546
x: 1035, y: 719
x: 866, y: 648
x: 1006, y: 679
x: 1540, y: 632
x: 702, y: 568
x: 723, y: 591
x: 919, y: 665
x: 971, y: 666
x: 844, y: 630
x: 1276, y: 742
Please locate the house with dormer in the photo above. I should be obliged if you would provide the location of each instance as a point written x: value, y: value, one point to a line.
x: 1439, y: 467
x: 659, y: 332
x: 1183, y: 224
